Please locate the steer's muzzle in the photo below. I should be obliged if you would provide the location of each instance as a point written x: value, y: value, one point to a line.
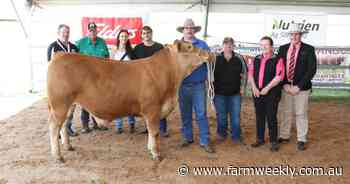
x: 207, y: 56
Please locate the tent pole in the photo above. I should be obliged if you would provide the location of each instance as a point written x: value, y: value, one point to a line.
x: 207, y: 4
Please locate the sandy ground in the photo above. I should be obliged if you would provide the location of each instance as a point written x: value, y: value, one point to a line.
x: 105, y: 157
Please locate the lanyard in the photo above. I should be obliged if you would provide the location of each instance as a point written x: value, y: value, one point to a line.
x: 64, y: 49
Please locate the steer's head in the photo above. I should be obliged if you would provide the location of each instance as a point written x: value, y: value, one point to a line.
x: 190, y: 57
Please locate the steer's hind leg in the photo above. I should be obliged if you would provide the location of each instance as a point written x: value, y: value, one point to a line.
x: 57, y: 118
x: 153, y: 145
x: 54, y: 128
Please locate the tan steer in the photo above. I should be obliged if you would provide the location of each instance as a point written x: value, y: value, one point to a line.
x: 108, y: 89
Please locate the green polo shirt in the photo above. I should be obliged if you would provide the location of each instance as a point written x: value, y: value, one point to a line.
x: 99, y: 49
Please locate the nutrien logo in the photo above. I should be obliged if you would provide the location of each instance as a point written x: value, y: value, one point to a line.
x: 284, y: 25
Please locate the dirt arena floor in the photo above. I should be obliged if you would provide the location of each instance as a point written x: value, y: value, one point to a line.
x: 105, y: 157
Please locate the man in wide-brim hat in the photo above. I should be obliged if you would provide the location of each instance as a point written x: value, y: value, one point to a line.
x: 300, y: 64
x: 192, y: 93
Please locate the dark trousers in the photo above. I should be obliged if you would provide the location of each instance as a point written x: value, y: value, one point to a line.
x: 163, y: 126
x: 266, y: 108
x: 85, y: 118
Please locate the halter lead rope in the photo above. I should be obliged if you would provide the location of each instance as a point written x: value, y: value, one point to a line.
x: 211, y: 91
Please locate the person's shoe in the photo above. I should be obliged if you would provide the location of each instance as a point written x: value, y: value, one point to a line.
x: 164, y: 134
x: 208, y: 148
x: 239, y: 141
x: 257, y: 144
x: 96, y: 127
x: 301, y: 146
x: 281, y: 140
x: 132, y: 129
x: 72, y: 133
x: 186, y: 143
x: 274, y: 147
x: 102, y: 128
x: 119, y: 131
x: 220, y: 138
x: 85, y: 128
x: 144, y: 131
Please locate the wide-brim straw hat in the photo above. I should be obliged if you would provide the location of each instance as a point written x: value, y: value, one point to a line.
x: 189, y: 23
x: 296, y: 28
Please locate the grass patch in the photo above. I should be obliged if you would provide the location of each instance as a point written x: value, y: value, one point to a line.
x: 324, y: 95
x: 342, y: 96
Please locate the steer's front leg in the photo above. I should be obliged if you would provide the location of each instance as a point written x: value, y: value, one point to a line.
x: 153, y: 136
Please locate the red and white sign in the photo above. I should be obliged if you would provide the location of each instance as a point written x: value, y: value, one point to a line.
x: 108, y: 28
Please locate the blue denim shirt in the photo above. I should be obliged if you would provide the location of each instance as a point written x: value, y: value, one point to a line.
x: 199, y: 74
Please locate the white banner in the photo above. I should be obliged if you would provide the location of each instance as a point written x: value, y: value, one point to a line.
x: 277, y: 25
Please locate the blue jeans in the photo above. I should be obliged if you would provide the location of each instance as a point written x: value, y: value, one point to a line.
x: 163, y: 126
x: 85, y: 118
x: 225, y: 105
x: 119, y: 122
x: 193, y: 97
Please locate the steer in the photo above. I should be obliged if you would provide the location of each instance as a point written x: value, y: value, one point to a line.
x: 108, y: 89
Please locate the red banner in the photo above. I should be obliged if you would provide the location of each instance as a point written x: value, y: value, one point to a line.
x: 108, y: 28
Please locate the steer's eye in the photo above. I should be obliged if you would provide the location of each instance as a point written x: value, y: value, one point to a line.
x: 189, y: 47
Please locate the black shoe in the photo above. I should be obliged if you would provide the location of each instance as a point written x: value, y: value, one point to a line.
x: 85, y: 130
x: 220, y: 138
x: 186, y: 143
x: 239, y: 141
x: 257, y: 144
x: 119, y: 131
x: 301, y: 146
x: 208, y: 148
x: 281, y: 140
x: 71, y: 132
x: 144, y: 131
x: 274, y: 147
x: 132, y: 129
x: 95, y: 127
x: 102, y: 128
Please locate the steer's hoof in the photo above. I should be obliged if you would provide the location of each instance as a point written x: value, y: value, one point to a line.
x: 58, y: 160
x: 70, y: 148
x: 157, y: 158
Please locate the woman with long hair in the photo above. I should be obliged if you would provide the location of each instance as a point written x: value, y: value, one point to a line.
x: 123, y: 52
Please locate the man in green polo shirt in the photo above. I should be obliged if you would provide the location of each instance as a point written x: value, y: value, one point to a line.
x: 91, y: 45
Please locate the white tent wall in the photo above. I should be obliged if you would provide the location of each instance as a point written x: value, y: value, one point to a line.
x: 243, y: 22
x: 14, y: 70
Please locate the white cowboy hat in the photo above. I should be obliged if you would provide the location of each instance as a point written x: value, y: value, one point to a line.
x: 189, y: 23
x: 296, y: 28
